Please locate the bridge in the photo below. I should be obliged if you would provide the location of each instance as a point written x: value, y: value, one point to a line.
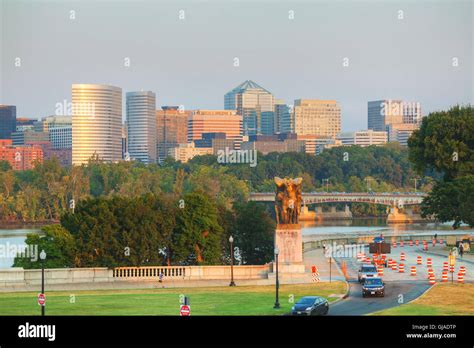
x: 398, y: 200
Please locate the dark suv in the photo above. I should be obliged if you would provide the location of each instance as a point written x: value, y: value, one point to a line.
x: 373, y: 287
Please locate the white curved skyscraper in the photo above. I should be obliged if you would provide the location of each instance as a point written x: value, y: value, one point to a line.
x: 141, y: 123
x: 96, y: 123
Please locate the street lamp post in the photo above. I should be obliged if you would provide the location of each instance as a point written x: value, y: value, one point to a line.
x: 42, y: 257
x: 277, y: 283
x: 231, y: 241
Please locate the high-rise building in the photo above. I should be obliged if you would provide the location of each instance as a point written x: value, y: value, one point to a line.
x: 172, y: 129
x: 7, y: 121
x: 383, y: 113
x: 364, y: 138
x: 283, y: 121
x: 23, y: 124
x: 255, y: 104
x: 215, y: 121
x: 96, y: 123
x: 141, y: 123
x: 316, y: 117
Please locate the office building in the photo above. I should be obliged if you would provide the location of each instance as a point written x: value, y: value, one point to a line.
x: 316, y: 117
x: 172, y: 129
x: 383, y: 113
x: 185, y: 152
x: 283, y: 120
x: 20, y: 157
x: 256, y: 106
x: 59, y: 129
x: 401, y: 132
x: 96, y: 123
x: 141, y: 124
x: 215, y: 121
x: 364, y: 138
x: 7, y: 121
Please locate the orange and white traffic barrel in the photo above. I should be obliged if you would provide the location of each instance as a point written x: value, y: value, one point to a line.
x: 401, y: 243
x: 419, y: 261
x: 411, y: 242
x: 433, y: 242
x: 402, y: 257
x: 429, y: 262
x: 380, y: 270
x: 431, y: 279
x: 401, y: 268
x: 445, y: 266
x: 394, y: 265
x: 462, y: 270
x: 460, y: 278
x: 451, y: 269
x: 430, y: 272
x: 413, y: 271
x: 444, y: 277
x: 425, y: 247
x: 441, y: 241
x: 367, y: 260
x: 394, y: 244
x: 417, y: 242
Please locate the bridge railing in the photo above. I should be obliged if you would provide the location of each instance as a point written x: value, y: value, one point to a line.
x: 175, y: 272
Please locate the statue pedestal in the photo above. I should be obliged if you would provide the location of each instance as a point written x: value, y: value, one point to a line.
x: 289, y: 242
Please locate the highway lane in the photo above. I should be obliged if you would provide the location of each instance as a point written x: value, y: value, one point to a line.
x: 355, y: 304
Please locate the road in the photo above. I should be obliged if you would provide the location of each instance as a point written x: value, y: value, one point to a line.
x: 395, y: 291
x: 399, y: 289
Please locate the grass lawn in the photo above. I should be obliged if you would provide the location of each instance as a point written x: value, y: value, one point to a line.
x: 240, y: 300
x: 443, y: 299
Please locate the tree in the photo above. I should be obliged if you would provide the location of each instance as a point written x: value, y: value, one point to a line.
x: 254, y: 233
x: 197, y: 234
x: 452, y: 201
x: 445, y: 144
x: 58, y: 244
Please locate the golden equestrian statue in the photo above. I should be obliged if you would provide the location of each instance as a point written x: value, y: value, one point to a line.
x: 288, y: 200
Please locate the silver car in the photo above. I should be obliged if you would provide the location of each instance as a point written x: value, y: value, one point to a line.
x: 366, y: 271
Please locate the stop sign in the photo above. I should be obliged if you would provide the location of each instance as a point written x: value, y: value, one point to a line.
x: 185, y: 311
x: 41, y: 299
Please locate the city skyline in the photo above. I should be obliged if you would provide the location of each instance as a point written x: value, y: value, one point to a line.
x: 381, y: 63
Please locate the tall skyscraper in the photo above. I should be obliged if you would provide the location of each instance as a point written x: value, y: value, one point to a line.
x: 383, y: 113
x: 255, y: 104
x: 283, y: 120
x: 172, y: 129
x: 316, y: 117
x: 141, y: 123
x: 215, y: 121
x: 7, y: 121
x: 96, y: 123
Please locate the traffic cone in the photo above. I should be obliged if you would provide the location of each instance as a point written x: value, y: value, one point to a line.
x: 413, y: 271
x: 402, y: 257
x: 401, y: 268
x: 419, y: 261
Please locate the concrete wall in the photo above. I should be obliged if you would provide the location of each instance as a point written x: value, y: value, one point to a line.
x: 20, y: 277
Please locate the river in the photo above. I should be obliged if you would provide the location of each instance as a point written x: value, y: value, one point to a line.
x: 311, y: 230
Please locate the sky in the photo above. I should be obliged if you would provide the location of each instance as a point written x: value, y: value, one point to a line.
x: 349, y: 51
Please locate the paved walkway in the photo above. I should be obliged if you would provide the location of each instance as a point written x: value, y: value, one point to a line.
x: 316, y: 258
